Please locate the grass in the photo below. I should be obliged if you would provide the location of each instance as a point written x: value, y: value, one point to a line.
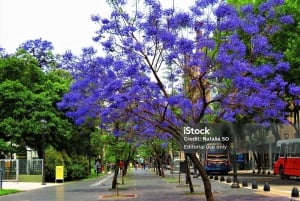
x: 22, y: 178
x: 8, y: 191
x: 30, y: 178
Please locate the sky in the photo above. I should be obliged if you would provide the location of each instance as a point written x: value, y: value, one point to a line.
x: 65, y: 23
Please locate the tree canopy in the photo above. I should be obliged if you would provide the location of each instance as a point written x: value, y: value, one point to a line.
x: 163, y: 68
x: 29, y: 95
x: 183, y: 67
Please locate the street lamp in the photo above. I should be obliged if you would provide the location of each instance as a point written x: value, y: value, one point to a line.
x: 43, y: 125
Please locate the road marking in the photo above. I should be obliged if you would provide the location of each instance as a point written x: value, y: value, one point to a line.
x: 101, y: 182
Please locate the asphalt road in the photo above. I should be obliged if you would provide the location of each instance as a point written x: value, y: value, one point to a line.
x: 142, y: 185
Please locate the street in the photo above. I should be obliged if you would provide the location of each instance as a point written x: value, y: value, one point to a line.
x: 145, y: 185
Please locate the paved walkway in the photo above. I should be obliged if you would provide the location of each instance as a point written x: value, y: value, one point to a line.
x: 25, y: 186
x: 143, y: 185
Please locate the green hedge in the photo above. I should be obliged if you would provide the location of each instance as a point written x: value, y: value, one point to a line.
x: 75, y: 167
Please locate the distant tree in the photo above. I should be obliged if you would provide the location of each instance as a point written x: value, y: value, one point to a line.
x: 42, y: 50
x: 28, y: 95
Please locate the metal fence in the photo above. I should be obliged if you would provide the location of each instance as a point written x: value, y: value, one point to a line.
x: 12, y: 168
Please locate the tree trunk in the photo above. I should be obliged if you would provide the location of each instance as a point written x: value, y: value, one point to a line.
x: 158, y: 168
x: 207, y: 186
x: 126, y: 163
x: 162, y: 172
x: 115, y: 178
x: 188, y: 176
x: 257, y: 159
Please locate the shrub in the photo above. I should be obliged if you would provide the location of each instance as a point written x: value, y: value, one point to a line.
x: 75, y: 167
x: 53, y: 159
x: 79, y: 168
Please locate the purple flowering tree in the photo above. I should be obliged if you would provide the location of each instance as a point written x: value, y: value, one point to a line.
x: 165, y: 68
x: 42, y: 50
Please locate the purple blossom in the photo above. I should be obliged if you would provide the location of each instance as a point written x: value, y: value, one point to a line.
x: 287, y: 19
x: 246, y: 9
x: 169, y: 12
x: 229, y: 24
x: 168, y: 38
x: 265, y: 7
x: 274, y: 29
x: 271, y: 14
x: 174, y: 100
x: 277, y: 2
x: 263, y: 70
x: 283, y: 67
x: 95, y: 18
x: 105, y: 21
x: 185, y: 45
x: 260, y: 44
x: 108, y: 44
x: 232, y: 57
x: 294, y: 90
x: 206, y: 3
x: 225, y: 10
x: 180, y: 20
x: 251, y: 24
x: 297, y: 102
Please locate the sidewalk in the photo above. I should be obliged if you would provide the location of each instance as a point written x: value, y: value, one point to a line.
x: 25, y: 186
x: 145, y: 185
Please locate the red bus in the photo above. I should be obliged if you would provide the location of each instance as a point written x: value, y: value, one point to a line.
x: 287, y: 158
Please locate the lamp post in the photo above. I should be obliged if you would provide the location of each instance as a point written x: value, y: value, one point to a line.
x: 43, y: 125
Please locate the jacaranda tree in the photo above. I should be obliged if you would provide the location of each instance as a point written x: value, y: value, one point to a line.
x: 42, y: 50
x: 164, y: 68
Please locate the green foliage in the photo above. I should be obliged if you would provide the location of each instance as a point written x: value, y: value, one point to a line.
x: 53, y: 159
x: 28, y: 95
x: 79, y: 168
x: 5, y: 147
x: 67, y: 165
x: 25, y: 70
x: 288, y: 39
x: 75, y: 167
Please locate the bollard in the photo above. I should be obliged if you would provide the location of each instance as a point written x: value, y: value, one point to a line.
x: 245, y: 183
x: 294, y: 194
x: 211, y: 176
x: 266, y: 186
x: 216, y: 177
x: 222, y: 178
x: 254, y: 185
x: 228, y: 180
